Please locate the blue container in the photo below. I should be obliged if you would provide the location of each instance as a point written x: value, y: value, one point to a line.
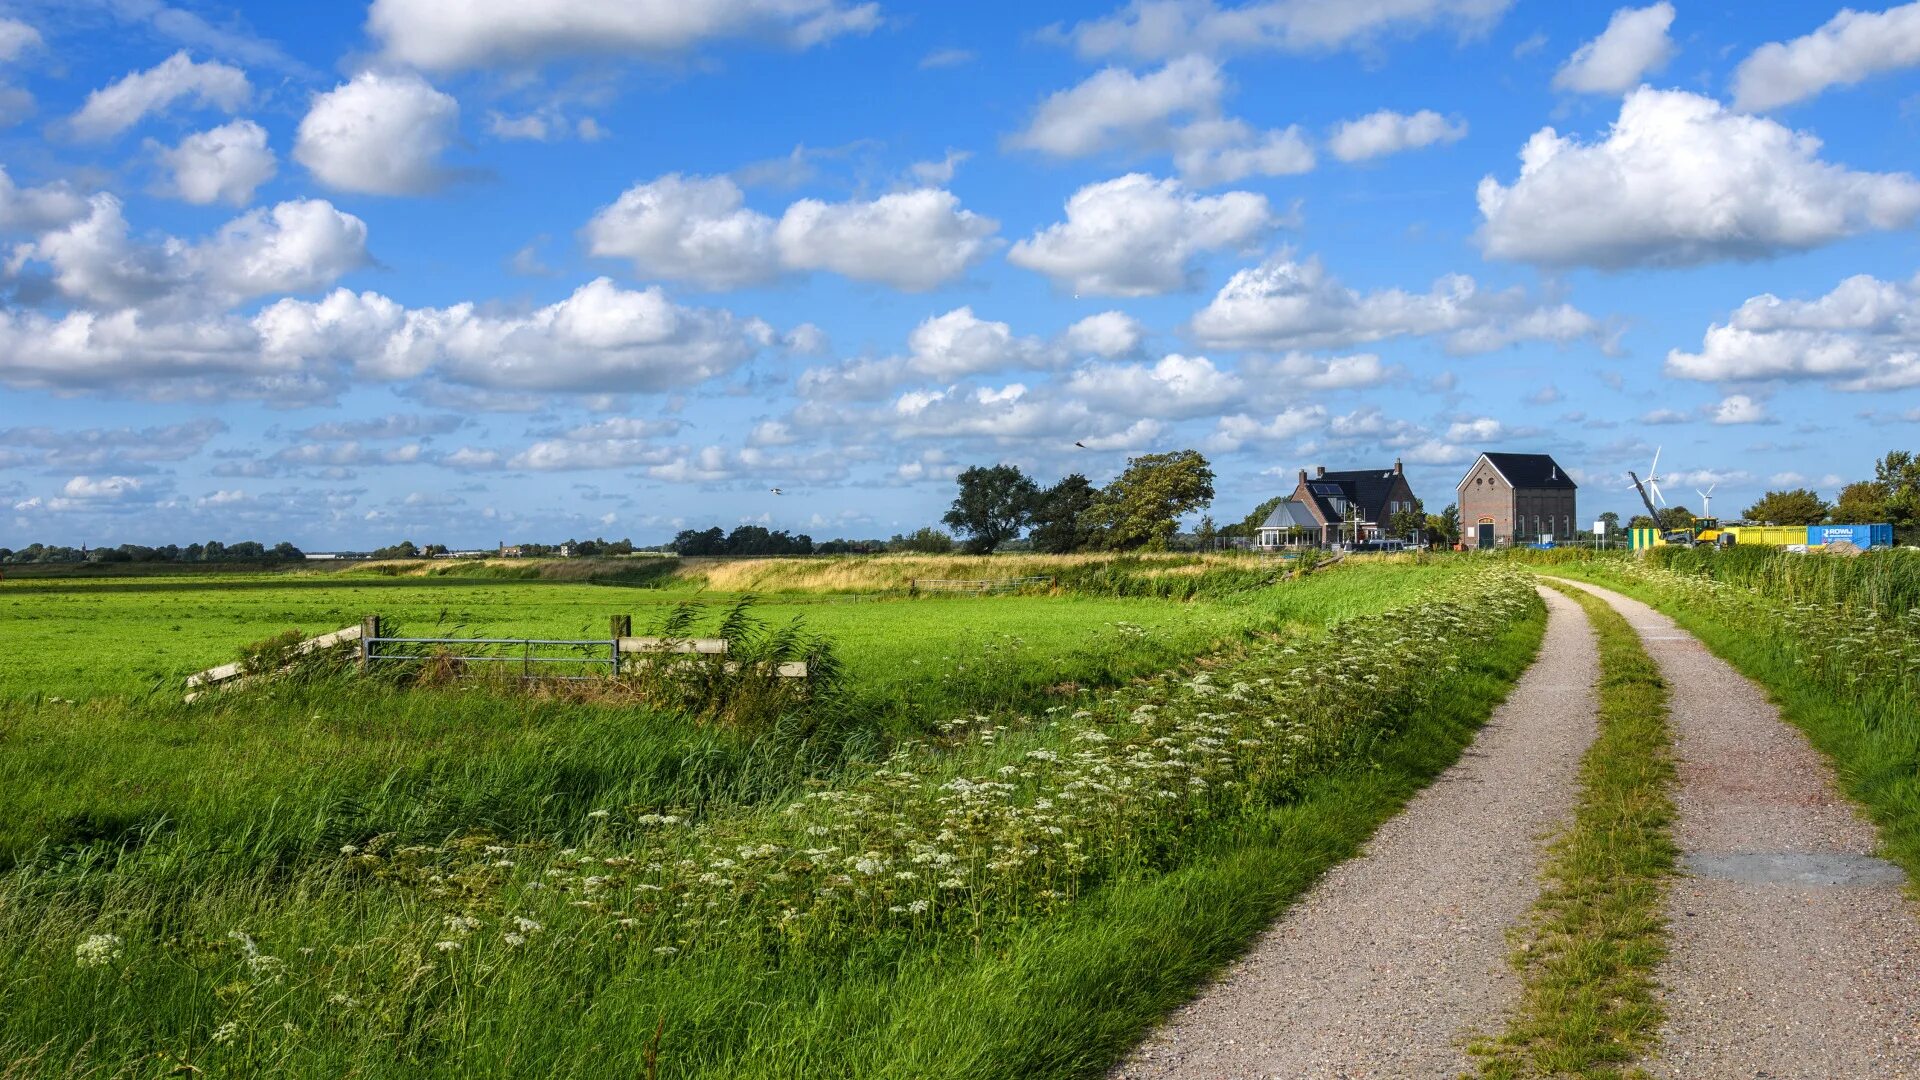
x: 1864, y: 536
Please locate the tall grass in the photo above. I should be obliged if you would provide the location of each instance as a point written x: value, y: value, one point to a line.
x: 524, y: 939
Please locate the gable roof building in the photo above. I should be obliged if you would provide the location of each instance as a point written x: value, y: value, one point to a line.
x: 1353, y: 505
x: 1516, y: 499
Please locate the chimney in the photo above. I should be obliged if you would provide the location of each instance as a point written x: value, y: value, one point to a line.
x: 1303, y: 476
x: 1319, y: 472
x: 1396, y: 467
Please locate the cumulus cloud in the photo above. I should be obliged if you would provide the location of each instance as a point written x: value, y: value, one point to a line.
x: 1174, y: 110
x: 391, y: 426
x: 1233, y: 432
x: 1849, y: 48
x: 1387, y: 132
x: 348, y: 454
x: 1679, y: 180
x: 698, y: 229
x: 16, y: 38
x: 960, y: 343
x: 378, y: 134
x: 1107, y: 335
x: 1739, y: 409
x: 1862, y: 336
x: 300, y: 245
x: 101, y: 489
x: 1138, y: 236
x: 1174, y: 387
x: 1157, y: 29
x: 433, y: 35
x: 223, y: 164
x: 113, y: 109
x: 1286, y: 303
x: 1634, y: 43
x: 117, y: 448
x: 35, y: 209
x: 910, y: 240
x: 1295, y: 372
x: 601, y: 339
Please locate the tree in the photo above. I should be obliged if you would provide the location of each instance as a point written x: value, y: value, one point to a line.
x: 405, y: 549
x: 1639, y: 521
x: 1612, y: 518
x: 1142, y: 508
x: 1249, y: 526
x: 1800, y: 506
x: 925, y: 540
x: 1059, y: 516
x: 1445, y: 525
x: 1898, y: 475
x: 994, y: 505
x: 1206, y: 534
x: 1863, y: 502
x: 1675, y: 518
x: 1409, y: 523
x: 690, y: 542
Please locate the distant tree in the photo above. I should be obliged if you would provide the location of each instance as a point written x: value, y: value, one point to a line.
x: 1898, y: 475
x: 1863, y: 502
x: 1060, y: 516
x: 434, y: 549
x: 1800, y: 506
x: 405, y: 549
x: 1640, y: 521
x: 1143, y: 507
x: 1675, y: 518
x: 1445, y: 525
x: 285, y: 550
x: 925, y: 540
x: 1612, y: 518
x: 994, y: 505
x: 1249, y: 526
x: 1409, y: 523
x: 1206, y: 537
x: 708, y: 542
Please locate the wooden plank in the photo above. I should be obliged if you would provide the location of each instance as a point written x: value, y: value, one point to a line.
x: 215, y: 675
x: 710, y: 646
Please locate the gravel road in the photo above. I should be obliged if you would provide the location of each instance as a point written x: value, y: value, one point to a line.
x: 1794, y: 952
x: 1395, y: 956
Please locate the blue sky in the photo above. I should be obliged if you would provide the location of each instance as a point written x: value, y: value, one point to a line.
x: 521, y: 270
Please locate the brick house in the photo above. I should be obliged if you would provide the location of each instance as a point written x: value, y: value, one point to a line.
x: 1516, y: 499
x: 1353, y: 506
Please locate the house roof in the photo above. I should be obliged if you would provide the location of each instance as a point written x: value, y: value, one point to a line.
x: 1529, y: 470
x: 1368, y: 489
x: 1290, y: 514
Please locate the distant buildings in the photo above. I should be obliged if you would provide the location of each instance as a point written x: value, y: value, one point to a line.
x: 1516, y: 499
x: 1339, y: 507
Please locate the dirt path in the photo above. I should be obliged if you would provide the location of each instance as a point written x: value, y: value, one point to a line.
x: 1794, y: 953
x: 1387, y: 963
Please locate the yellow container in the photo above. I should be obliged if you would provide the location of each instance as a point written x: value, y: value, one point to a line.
x: 1768, y: 535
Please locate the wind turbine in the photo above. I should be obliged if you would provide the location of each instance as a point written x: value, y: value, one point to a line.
x: 1706, y: 499
x: 1650, y: 484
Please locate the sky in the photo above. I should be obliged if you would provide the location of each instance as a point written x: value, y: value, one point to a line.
x: 533, y: 269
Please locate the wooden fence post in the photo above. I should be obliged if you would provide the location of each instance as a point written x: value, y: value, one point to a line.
x: 369, y: 629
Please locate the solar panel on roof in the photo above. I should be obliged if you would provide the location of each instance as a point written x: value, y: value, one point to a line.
x: 1325, y: 489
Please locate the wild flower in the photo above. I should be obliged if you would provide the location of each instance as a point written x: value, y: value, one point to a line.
x: 97, y: 950
x: 226, y: 1033
x: 446, y: 946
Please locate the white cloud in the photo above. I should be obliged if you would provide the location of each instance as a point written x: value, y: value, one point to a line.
x: 348, y: 454
x: 1387, y: 132
x: 1299, y: 371
x: 1739, y: 409
x: 1157, y: 29
x: 1174, y: 387
x: 960, y: 343
x: 1862, y: 336
x: 687, y: 228
x: 1634, y: 43
x: 101, y: 489
x: 1484, y: 429
x: 912, y: 240
x: 698, y: 229
x: 223, y: 164
x: 939, y: 173
x: 1850, y: 47
x: 119, y: 448
x: 1174, y: 110
x: 1233, y: 432
x: 378, y: 134
x: 36, y: 208
x: 946, y: 58
x: 1679, y: 180
x: 301, y: 245
x: 437, y: 36
x: 113, y: 109
x: 1288, y: 304
x: 1115, y: 108
x: 1138, y: 236
x: 1107, y: 335
x: 16, y: 38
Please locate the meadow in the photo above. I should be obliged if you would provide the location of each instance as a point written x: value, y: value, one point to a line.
x: 334, y: 874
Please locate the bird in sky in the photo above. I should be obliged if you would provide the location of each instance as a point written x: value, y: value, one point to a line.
x: 776, y: 491
x: 1081, y: 445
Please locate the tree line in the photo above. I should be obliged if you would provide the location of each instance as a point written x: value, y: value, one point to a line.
x: 1138, y: 511
x: 211, y: 551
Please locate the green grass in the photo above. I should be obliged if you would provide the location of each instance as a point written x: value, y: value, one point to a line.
x: 1588, y: 1004
x: 176, y: 828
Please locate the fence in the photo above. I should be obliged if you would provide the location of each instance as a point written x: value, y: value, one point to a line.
x: 234, y: 674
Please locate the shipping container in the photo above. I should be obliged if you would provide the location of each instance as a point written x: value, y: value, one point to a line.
x: 1768, y: 535
x: 1862, y: 536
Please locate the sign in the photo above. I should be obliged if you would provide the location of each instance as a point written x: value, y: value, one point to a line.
x: 1600, y: 527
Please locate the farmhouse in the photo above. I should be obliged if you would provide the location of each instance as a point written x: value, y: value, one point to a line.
x: 1516, y: 499
x: 1345, y: 507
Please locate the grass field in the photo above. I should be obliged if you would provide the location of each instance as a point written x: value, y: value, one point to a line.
x: 341, y: 876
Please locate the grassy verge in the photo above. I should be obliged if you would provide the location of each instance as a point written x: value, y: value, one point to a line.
x: 1587, y: 954
x: 1845, y: 676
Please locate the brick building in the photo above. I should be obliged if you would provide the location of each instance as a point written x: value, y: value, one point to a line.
x: 1355, y: 505
x: 1516, y: 499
